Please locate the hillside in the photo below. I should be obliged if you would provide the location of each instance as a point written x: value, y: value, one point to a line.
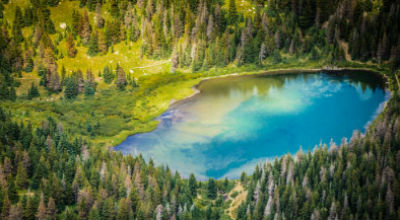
x: 78, y: 77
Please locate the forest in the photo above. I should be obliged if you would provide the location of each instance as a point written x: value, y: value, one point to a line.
x: 78, y: 77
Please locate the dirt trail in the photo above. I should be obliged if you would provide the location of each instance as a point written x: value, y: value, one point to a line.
x: 237, y: 200
x: 157, y: 64
x: 345, y: 47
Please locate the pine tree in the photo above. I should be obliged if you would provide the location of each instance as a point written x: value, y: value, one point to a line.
x: 5, y: 210
x: 71, y: 50
x: 123, y: 210
x: 85, y: 29
x: 277, y: 56
x: 90, y: 85
x: 41, y: 211
x: 121, y: 78
x: 30, y: 209
x: 71, y: 88
x: 76, y: 19
x: 93, y: 45
x: 134, y: 201
x: 114, y: 10
x: 211, y: 189
x: 192, y: 185
x: 22, y: 176
x: 102, y: 42
x: 108, y: 76
x: 98, y: 19
x: 12, y: 192
x: 94, y: 213
x: 232, y: 13
x: 108, y: 212
x: 16, y: 212
x: 51, y: 209
x: 18, y: 25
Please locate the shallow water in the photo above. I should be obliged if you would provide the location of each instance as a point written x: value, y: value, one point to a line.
x: 236, y: 122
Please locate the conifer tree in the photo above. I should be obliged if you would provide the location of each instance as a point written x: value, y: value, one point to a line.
x: 22, y: 176
x: 41, y: 211
x: 192, y: 185
x: 211, y: 189
x: 33, y: 92
x: 18, y: 25
x: 85, y: 29
x: 108, y: 76
x: 93, y: 45
x: 71, y: 50
x: 99, y: 20
x: 232, y: 13
x: 121, y: 78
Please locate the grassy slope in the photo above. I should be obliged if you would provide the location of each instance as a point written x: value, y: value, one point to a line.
x: 120, y: 114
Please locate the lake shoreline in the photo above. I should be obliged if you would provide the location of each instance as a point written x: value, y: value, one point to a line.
x: 125, y: 134
x: 196, y: 91
x: 344, y: 77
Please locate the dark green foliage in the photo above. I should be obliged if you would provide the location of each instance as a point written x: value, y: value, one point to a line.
x: 114, y: 10
x: 277, y: 56
x: 359, y: 180
x: 93, y: 45
x: 71, y: 87
x: 314, y: 54
x: 232, y: 12
x: 1, y: 10
x: 50, y: 163
x: 108, y: 75
x: 42, y: 72
x: 212, y: 189
x: 89, y: 89
x: 33, y: 92
x: 193, y: 185
x: 53, y: 3
x: 48, y: 23
x: 18, y: 25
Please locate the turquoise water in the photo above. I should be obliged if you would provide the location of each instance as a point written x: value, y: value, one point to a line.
x: 236, y: 122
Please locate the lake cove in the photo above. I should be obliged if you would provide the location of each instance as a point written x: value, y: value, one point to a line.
x: 236, y: 122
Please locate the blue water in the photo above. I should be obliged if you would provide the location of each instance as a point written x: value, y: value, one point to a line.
x: 236, y: 122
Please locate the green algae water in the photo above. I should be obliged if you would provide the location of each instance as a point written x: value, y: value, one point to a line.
x: 236, y: 122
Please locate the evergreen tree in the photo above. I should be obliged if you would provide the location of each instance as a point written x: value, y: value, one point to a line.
x: 33, y: 92
x: 94, y: 214
x: 41, y: 211
x: 121, y: 78
x: 18, y: 25
x: 99, y: 20
x: 21, y: 178
x: 51, y: 209
x: 192, y: 185
x: 232, y: 13
x: 108, y: 76
x: 93, y: 45
x: 71, y: 88
x: 30, y: 209
x: 85, y: 29
x: 71, y: 50
x: 212, y: 189
x: 108, y: 212
x: 123, y: 210
x: 277, y: 56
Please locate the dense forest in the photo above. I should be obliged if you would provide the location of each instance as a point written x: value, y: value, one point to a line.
x: 48, y: 173
x: 194, y: 34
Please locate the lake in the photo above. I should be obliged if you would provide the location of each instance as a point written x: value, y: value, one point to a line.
x: 236, y: 122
